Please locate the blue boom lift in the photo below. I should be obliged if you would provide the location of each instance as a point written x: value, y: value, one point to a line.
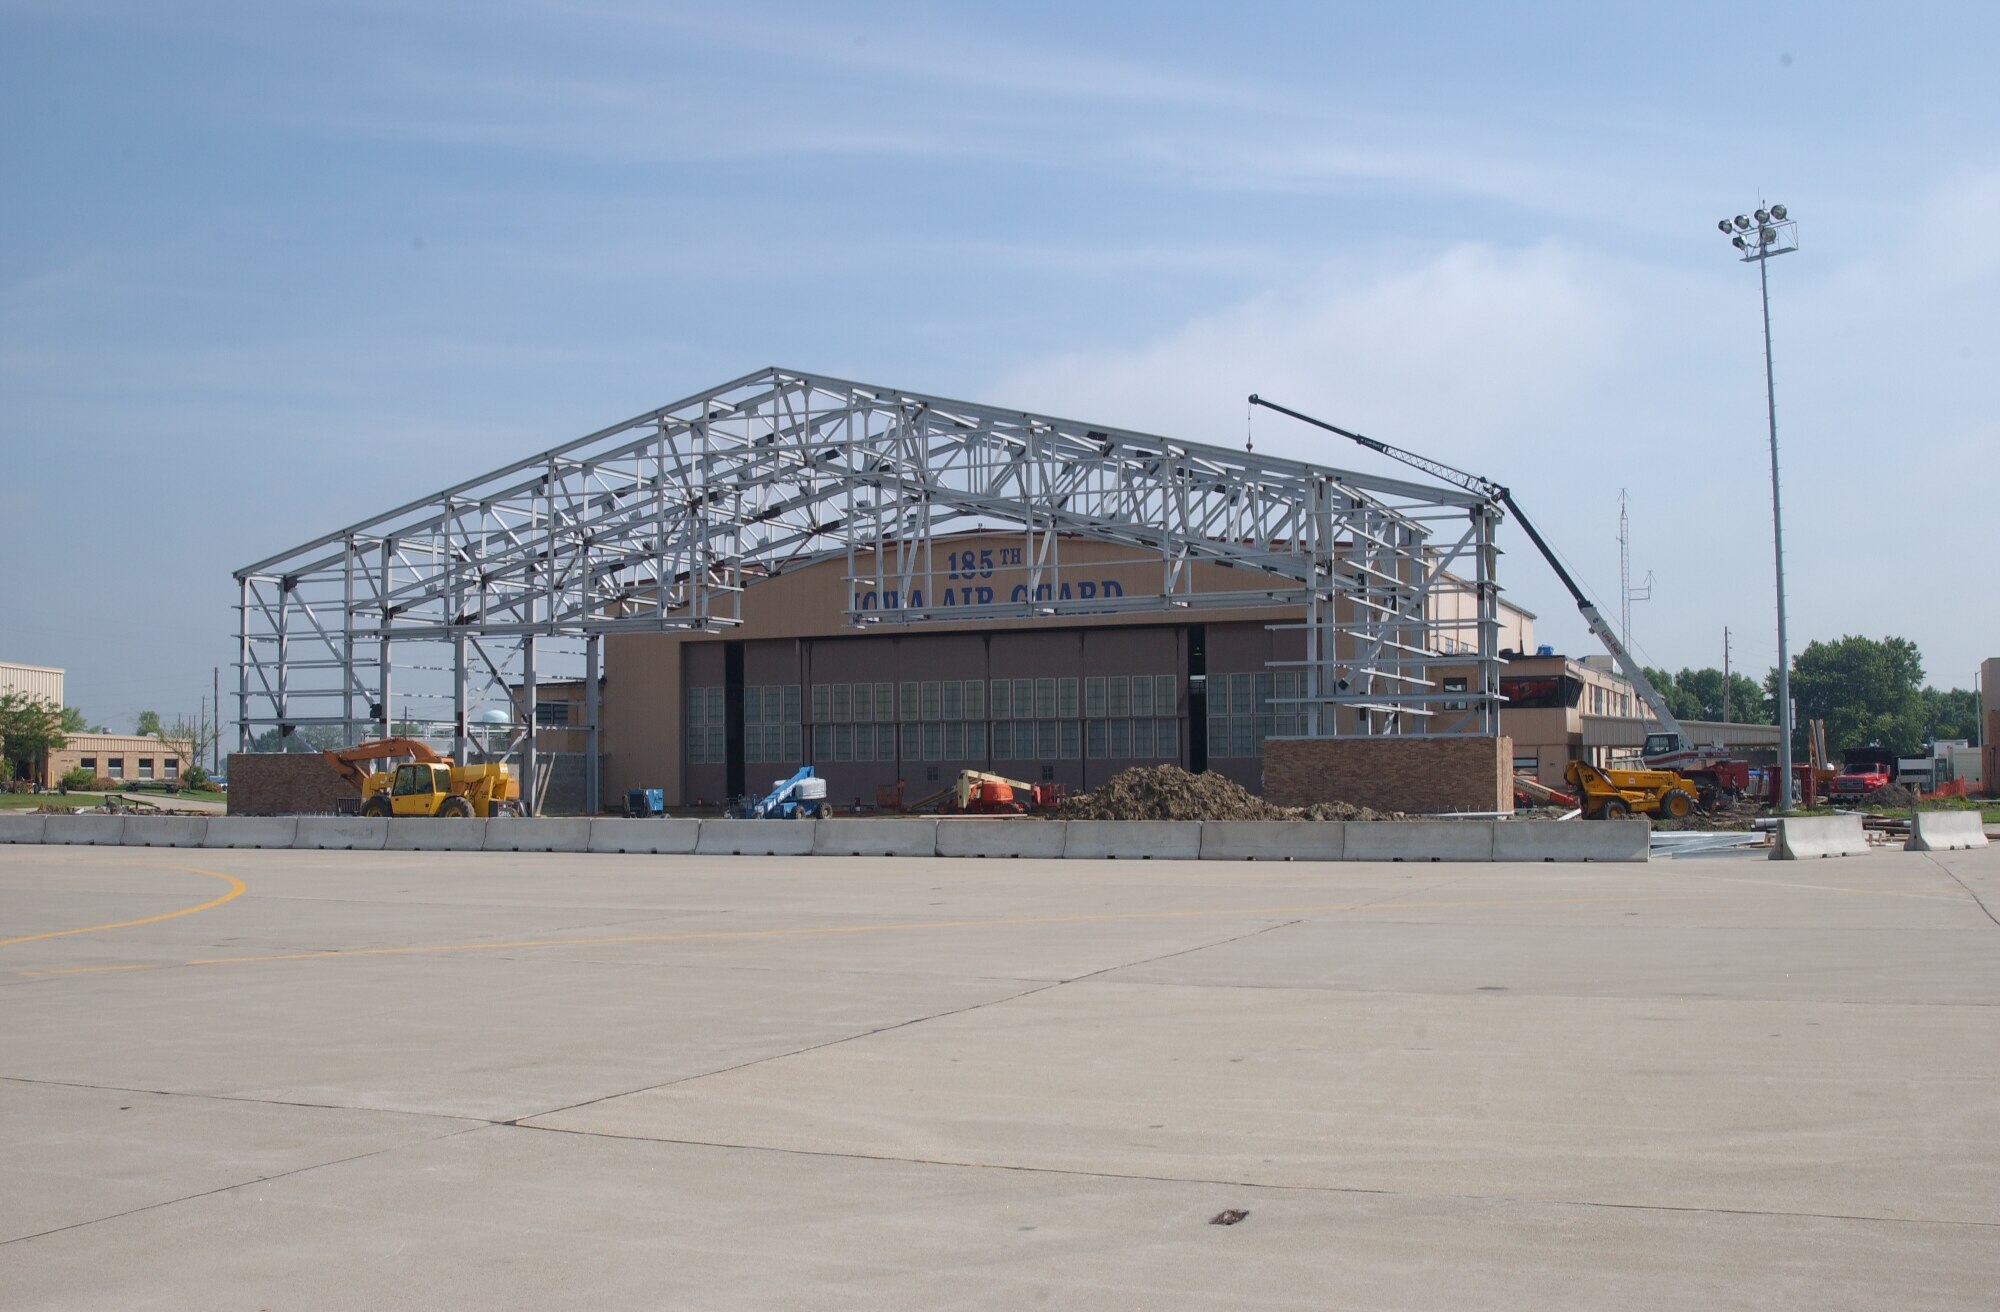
x: 801, y: 797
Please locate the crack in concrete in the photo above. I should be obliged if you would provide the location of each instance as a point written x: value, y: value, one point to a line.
x: 905, y: 1024
x: 244, y: 1184
x: 1207, y: 1181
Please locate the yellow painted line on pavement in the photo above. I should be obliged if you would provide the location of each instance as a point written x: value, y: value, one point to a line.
x: 235, y: 891
x: 688, y: 936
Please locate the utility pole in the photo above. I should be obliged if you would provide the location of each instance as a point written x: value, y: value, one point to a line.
x: 1725, y: 674
x: 218, y: 719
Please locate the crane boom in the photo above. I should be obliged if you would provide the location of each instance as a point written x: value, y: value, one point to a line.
x: 1435, y: 468
x: 1499, y: 494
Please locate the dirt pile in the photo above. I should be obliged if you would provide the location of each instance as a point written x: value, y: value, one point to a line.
x: 1889, y: 797
x: 1167, y: 792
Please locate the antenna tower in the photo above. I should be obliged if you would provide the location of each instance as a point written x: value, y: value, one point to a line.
x: 1627, y: 594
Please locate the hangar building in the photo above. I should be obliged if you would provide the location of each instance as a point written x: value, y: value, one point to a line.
x: 790, y: 568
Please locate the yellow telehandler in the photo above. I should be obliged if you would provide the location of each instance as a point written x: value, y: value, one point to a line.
x: 426, y: 783
x: 1615, y: 794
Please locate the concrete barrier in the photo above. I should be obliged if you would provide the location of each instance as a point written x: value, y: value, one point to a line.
x: 755, y: 838
x: 665, y: 837
x: 875, y: 837
x: 341, y: 833
x: 1945, y: 831
x: 1419, y: 840
x: 542, y: 834
x: 251, y: 831
x: 1034, y: 839
x: 1272, y: 840
x: 94, y: 830
x: 1802, y: 838
x: 1133, y: 840
x: 413, y: 833
x: 164, y: 830
x: 21, y: 828
x: 1571, y: 840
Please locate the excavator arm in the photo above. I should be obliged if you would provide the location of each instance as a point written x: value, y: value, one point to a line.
x: 350, y: 762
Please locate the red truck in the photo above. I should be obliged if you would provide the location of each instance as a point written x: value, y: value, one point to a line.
x: 1862, y: 771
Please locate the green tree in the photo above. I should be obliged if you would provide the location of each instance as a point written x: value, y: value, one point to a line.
x: 1679, y: 701
x: 30, y: 728
x: 1953, y: 714
x: 1703, y: 689
x: 1867, y: 692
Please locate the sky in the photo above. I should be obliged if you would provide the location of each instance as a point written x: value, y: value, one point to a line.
x: 266, y: 270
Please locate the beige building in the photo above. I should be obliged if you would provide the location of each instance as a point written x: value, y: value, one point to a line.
x: 35, y: 680
x: 560, y: 714
x: 704, y: 716
x: 125, y: 758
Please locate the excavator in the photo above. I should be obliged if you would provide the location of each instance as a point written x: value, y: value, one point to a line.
x: 424, y: 783
x: 1706, y: 773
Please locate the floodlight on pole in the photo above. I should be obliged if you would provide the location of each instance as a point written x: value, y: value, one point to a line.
x: 1776, y: 235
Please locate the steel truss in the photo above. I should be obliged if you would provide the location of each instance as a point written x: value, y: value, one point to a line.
x: 661, y: 522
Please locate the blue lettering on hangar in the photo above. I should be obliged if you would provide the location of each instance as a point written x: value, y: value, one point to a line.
x: 1087, y: 590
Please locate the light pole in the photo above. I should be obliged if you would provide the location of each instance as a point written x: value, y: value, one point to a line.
x: 1758, y: 237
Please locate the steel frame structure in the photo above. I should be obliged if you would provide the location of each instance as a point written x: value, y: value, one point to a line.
x: 663, y: 521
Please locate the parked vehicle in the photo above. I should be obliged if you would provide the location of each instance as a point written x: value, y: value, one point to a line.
x: 1615, y: 794
x: 427, y: 784
x: 1862, y: 771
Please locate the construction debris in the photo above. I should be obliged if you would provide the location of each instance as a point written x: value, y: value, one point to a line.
x: 1167, y: 792
x: 1729, y: 817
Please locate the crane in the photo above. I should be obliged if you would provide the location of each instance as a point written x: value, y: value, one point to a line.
x: 1670, y: 748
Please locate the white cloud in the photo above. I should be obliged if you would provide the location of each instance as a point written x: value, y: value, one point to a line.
x: 1570, y: 374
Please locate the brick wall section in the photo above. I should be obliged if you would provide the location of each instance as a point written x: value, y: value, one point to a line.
x: 1392, y: 774
x: 295, y: 783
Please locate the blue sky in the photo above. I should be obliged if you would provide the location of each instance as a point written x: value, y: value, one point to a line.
x: 266, y: 269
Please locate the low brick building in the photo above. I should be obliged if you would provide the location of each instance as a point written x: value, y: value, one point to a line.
x: 290, y: 783
x: 120, y: 757
x: 1431, y: 775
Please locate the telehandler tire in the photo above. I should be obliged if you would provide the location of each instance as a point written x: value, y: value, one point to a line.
x: 455, y: 808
